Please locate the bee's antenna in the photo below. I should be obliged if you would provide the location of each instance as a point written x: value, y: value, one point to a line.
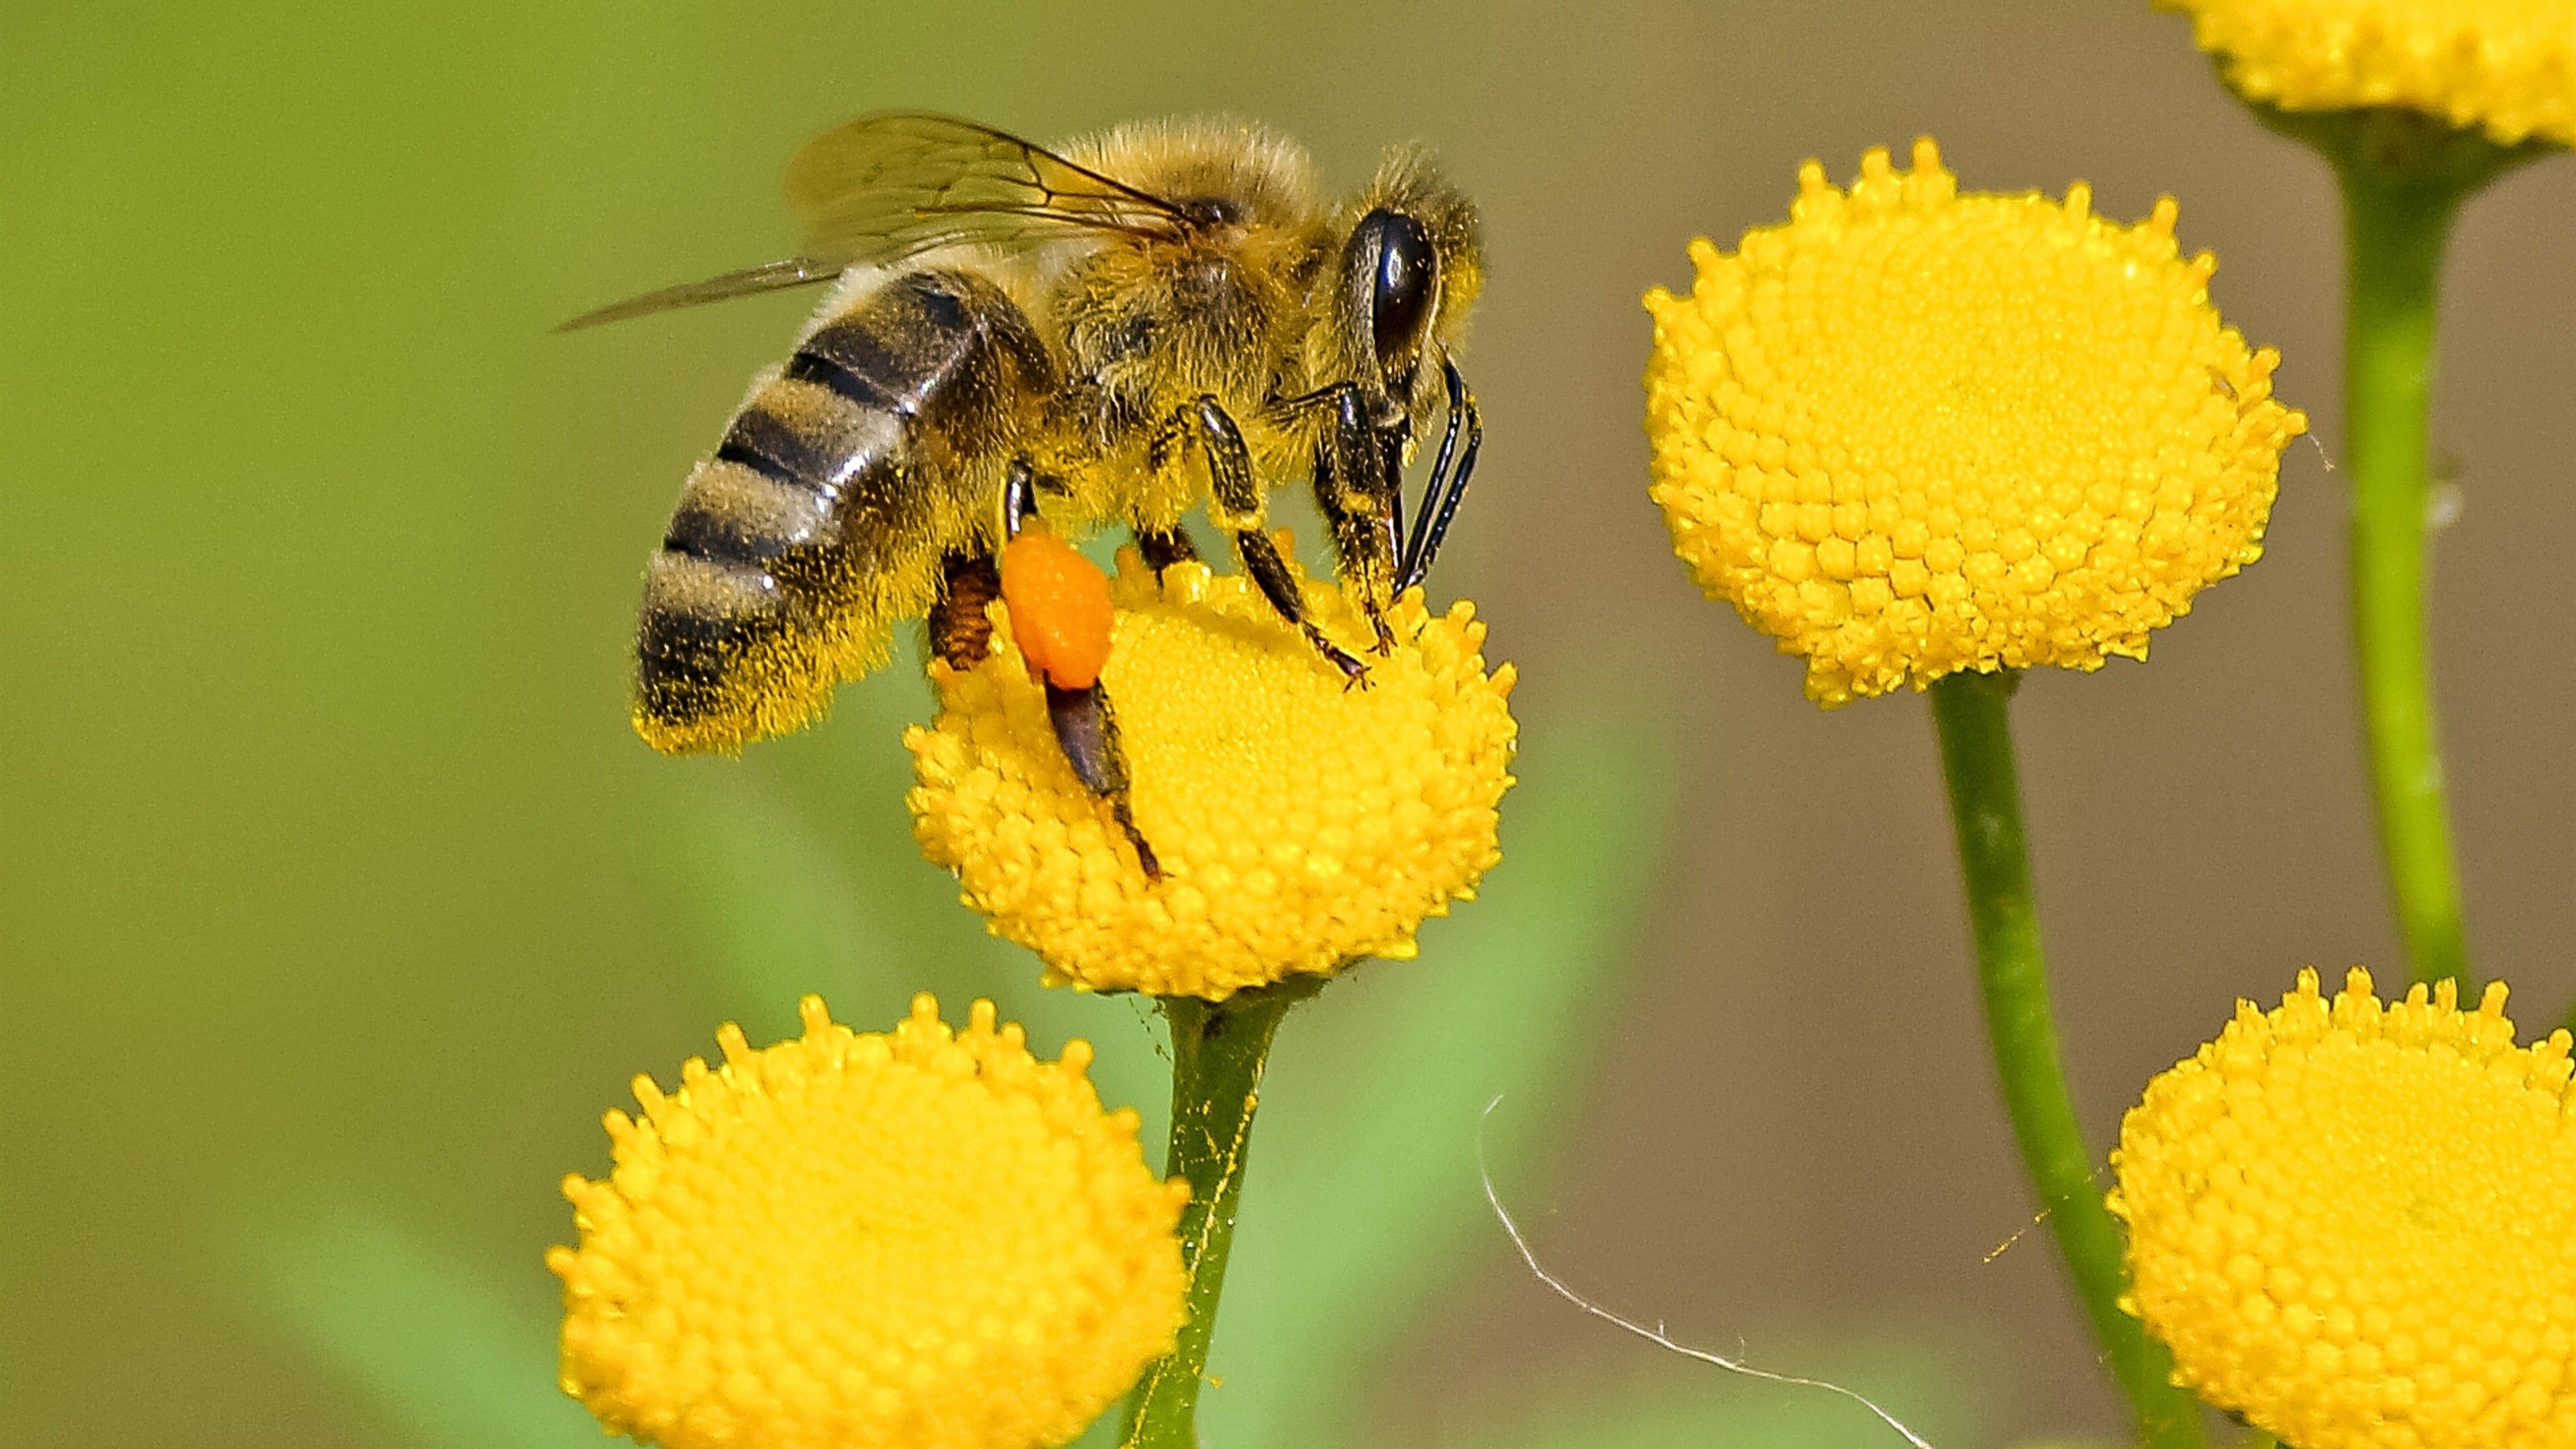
x: 1439, y: 469
x: 1438, y: 506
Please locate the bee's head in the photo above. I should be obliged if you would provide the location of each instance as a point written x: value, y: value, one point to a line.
x: 1411, y: 264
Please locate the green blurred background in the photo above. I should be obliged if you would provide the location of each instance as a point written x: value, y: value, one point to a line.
x: 340, y: 900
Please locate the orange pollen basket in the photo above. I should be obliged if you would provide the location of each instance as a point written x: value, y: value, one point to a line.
x: 1059, y: 602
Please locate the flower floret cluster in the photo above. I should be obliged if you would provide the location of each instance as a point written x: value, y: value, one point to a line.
x: 2506, y: 68
x: 1911, y: 431
x: 2355, y: 1222
x: 1300, y: 823
x: 922, y: 1239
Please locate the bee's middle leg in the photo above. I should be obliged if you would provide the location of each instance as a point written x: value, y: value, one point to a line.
x: 1236, y: 501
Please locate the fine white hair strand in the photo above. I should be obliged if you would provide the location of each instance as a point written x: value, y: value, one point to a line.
x: 1656, y: 1335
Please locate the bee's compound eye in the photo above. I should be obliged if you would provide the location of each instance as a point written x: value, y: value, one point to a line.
x: 1059, y: 602
x: 1404, y: 282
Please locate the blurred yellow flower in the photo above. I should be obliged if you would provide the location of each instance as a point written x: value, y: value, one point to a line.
x: 2504, y: 67
x: 2355, y: 1224
x: 907, y: 1240
x: 1301, y: 824
x: 1912, y: 432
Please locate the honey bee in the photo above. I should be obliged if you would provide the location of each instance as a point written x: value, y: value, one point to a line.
x: 1166, y: 315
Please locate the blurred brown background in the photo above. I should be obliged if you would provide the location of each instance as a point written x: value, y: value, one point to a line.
x: 324, y: 870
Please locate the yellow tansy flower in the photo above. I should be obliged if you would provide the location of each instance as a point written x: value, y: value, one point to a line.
x: 1912, y: 432
x: 1301, y: 824
x: 2355, y: 1224
x: 912, y: 1240
x: 2504, y: 67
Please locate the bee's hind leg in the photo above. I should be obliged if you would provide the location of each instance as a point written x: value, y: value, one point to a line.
x: 1019, y: 498
x: 1085, y: 727
x: 1236, y: 502
x: 1088, y: 730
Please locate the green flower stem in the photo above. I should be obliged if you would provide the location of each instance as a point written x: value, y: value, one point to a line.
x: 2396, y: 228
x: 1218, y: 1048
x: 1970, y: 713
x: 2404, y: 175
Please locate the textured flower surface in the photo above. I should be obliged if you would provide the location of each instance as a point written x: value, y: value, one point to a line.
x: 2504, y: 67
x: 1912, y: 432
x: 906, y: 1240
x: 2355, y: 1224
x: 1301, y: 824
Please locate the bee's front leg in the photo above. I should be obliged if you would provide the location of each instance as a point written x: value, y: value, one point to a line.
x: 1358, y: 490
x: 1236, y: 503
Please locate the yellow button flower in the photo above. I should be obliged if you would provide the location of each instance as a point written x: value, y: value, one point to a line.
x: 2504, y: 67
x: 1912, y: 432
x: 914, y: 1240
x: 2355, y: 1224
x: 1300, y: 824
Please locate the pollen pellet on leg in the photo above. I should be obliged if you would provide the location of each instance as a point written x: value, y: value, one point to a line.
x: 1059, y: 604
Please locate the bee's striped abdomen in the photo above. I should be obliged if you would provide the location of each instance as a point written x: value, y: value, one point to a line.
x: 823, y: 515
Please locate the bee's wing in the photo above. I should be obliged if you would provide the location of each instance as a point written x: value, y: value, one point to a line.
x: 793, y: 272
x: 885, y: 187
